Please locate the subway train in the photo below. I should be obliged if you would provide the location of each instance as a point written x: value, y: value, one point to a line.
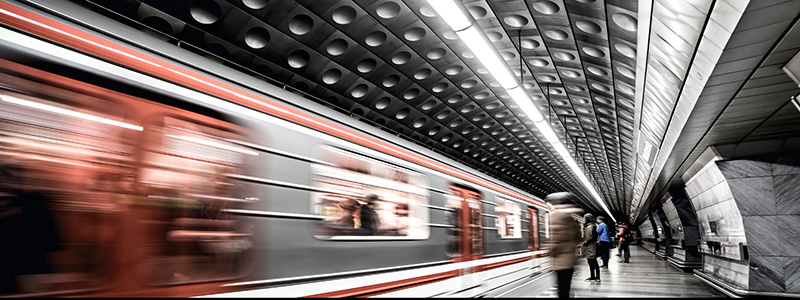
x: 133, y: 168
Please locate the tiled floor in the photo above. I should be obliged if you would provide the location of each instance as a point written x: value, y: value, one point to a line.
x: 646, y: 276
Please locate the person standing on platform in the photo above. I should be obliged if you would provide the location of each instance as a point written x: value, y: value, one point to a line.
x: 604, y: 243
x: 564, y: 239
x: 589, y: 246
x: 625, y: 238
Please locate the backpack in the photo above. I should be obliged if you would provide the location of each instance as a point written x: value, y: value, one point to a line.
x: 627, y: 235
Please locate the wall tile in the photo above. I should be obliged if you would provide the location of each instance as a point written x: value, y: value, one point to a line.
x: 787, y: 194
x: 791, y: 271
x: 726, y: 270
x: 715, y: 175
x: 766, y: 236
x: 767, y: 273
x: 693, y: 188
x: 786, y: 165
x: 754, y: 196
x: 791, y: 229
x: 744, y: 168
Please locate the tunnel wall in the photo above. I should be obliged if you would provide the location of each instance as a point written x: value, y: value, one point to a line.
x: 752, y: 200
x: 647, y: 231
x: 766, y: 190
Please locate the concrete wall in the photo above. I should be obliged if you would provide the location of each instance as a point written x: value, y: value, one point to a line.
x: 767, y: 192
x: 754, y: 201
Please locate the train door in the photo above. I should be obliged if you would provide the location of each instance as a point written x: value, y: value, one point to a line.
x: 466, y: 234
x: 533, y: 229
x: 190, y: 164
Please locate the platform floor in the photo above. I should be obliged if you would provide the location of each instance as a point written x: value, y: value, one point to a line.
x: 646, y: 276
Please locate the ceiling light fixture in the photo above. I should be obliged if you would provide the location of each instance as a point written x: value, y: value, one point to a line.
x: 453, y: 14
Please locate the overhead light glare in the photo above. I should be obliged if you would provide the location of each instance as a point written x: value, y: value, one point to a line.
x: 451, y: 13
x: 548, y: 132
x: 524, y: 101
x: 486, y: 53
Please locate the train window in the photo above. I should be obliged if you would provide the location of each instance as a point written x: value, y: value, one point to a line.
x: 367, y: 199
x: 185, y: 187
x: 60, y: 161
x: 508, y: 221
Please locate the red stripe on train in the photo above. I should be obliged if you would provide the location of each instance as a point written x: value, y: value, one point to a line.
x: 383, y: 288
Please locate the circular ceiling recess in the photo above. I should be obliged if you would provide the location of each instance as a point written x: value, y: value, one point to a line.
x: 564, y: 56
x: 625, y: 21
x: 359, y: 91
x: 477, y: 12
x: 366, y: 66
x: 546, y: 7
x: 515, y: 21
x: 344, y: 15
x: 301, y: 24
x: 454, y: 70
x: 626, y: 50
x: 414, y: 34
x: 401, y: 57
x: 383, y: 103
x: 538, y: 62
x: 298, y: 59
x: 592, y: 51
x: 422, y: 74
x: 256, y: 37
x: 588, y: 26
x: 332, y: 76
x: 391, y: 80
x: 388, y: 10
x: 556, y: 34
x: 529, y: 44
x: 375, y: 39
x: 205, y: 11
x: 337, y: 47
x: 255, y: 4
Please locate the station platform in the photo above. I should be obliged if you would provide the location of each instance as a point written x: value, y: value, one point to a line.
x: 646, y: 276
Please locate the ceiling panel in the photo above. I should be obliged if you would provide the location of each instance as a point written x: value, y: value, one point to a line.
x: 396, y: 65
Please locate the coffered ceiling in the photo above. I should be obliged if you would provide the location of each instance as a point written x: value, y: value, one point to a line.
x: 617, y: 80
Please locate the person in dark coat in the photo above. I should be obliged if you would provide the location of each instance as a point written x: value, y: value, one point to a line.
x: 589, y: 246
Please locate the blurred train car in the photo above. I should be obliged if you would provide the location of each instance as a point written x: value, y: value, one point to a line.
x: 132, y: 172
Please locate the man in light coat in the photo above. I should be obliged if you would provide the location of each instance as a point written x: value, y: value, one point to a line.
x: 565, y: 238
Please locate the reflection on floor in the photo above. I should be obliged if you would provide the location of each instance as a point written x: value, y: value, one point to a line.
x: 646, y: 276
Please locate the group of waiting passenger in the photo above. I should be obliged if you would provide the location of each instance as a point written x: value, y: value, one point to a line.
x: 594, y: 240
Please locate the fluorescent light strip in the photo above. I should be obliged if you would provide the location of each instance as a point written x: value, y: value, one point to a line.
x: 485, y: 52
x: 451, y: 13
x: 71, y: 113
x: 525, y: 103
x: 477, y: 42
x: 213, y: 144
